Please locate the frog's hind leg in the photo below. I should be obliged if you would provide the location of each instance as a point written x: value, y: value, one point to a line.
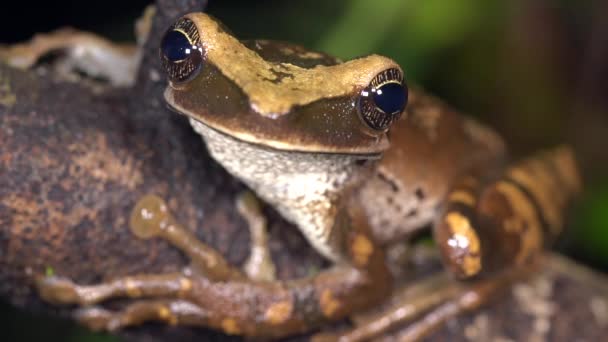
x: 492, y: 231
x: 488, y: 226
x: 415, y: 311
x: 405, y: 304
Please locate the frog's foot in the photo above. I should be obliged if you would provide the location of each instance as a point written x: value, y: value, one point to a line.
x: 216, y: 295
x: 414, y: 312
x: 79, y: 51
x: 259, y: 265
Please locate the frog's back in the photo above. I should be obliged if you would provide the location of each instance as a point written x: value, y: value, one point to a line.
x: 285, y: 52
x: 430, y: 147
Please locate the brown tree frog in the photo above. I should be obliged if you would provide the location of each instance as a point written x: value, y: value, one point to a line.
x: 350, y: 155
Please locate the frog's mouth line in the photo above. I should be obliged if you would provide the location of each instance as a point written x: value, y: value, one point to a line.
x: 366, y: 156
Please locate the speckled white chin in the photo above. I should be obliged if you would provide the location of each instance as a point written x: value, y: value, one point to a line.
x: 306, y: 188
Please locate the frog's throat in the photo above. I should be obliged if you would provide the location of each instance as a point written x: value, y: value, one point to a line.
x: 306, y: 188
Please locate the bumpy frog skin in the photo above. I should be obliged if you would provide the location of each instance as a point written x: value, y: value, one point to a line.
x: 333, y: 148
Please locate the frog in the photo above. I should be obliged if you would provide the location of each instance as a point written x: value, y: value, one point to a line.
x: 357, y: 160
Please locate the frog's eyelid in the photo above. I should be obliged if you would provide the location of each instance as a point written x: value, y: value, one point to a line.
x: 391, y: 75
x: 189, y: 29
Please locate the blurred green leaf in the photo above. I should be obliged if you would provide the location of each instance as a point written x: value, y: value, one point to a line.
x: 83, y: 335
x: 369, y: 21
x: 591, y: 229
x: 412, y: 32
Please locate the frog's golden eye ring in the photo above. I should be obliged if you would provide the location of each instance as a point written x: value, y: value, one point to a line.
x: 384, y: 100
x: 181, y: 52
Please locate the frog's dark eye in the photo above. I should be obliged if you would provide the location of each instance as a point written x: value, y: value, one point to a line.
x: 384, y: 100
x: 181, y: 52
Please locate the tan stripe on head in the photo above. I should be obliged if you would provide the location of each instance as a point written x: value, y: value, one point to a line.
x: 274, y: 88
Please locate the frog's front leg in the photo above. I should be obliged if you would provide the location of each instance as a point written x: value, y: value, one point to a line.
x: 214, y: 294
x: 151, y: 218
x: 259, y: 264
x: 487, y: 226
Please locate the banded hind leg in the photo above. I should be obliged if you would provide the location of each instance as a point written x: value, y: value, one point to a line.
x: 488, y: 226
x: 214, y: 294
x: 491, y: 232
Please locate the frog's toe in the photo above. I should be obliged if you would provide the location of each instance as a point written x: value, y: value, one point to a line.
x: 169, y: 311
x: 97, y: 319
x: 57, y: 290
x: 259, y: 265
x: 149, y: 217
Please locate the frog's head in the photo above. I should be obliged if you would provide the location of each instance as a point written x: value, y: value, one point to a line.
x: 279, y: 95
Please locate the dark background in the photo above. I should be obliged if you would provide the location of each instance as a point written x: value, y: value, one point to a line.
x: 536, y: 70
